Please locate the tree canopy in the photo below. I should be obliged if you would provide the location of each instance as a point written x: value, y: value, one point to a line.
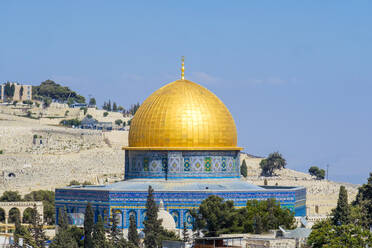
x: 318, y: 173
x: 56, y: 92
x: 341, y: 214
x: 274, y: 161
x: 350, y: 223
x: 216, y: 216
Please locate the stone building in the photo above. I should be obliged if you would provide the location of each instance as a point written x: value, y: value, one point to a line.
x: 183, y: 143
x: 22, y: 92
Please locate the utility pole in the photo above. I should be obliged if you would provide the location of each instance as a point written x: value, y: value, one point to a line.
x: 327, y: 171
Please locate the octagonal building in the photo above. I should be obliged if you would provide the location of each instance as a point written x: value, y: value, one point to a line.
x: 182, y: 142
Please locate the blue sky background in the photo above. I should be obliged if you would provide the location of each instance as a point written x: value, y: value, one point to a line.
x: 296, y: 75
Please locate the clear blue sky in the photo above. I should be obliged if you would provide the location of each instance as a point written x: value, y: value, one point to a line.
x: 296, y: 75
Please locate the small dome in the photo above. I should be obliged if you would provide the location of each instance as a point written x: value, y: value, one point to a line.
x: 182, y: 115
x: 168, y: 221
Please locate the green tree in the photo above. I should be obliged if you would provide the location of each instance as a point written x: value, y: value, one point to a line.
x: 7, y: 90
x: 109, y: 108
x: 88, y: 226
x: 47, y: 197
x: 21, y: 92
x: 324, y: 234
x: 244, y: 169
x: 47, y: 101
x: 63, y: 238
x: 114, y: 107
x: 133, y: 108
x: 216, y: 216
x: 70, y: 101
x: 99, y: 237
x: 12, y: 90
x: 24, y: 233
x: 185, y: 233
x: 318, y: 173
x: 341, y: 214
x: 10, y: 196
x: 105, y: 114
x: 274, y: 161
x: 115, y: 234
x: 258, y: 225
x: 152, y: 224
x: 36, y: 229
x: 364, y: 203
x: 118, y: 122
x: 132, y: 232
x: 92, y: 101
x: 74, y: 182
x: 56, y: 92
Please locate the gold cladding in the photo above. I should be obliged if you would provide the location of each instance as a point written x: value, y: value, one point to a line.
x: 182, y: 115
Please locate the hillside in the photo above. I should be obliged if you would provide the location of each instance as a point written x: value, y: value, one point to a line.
x: 73, y: 154
x: 66, y: 154
x: 320, y: 193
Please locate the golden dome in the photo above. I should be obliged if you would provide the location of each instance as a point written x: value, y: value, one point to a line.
x: 182, y: 115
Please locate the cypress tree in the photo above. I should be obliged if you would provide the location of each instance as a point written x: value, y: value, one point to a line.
x: 132, y: 232
x: 244, y: 169
x: 88, y: 226
x: 258, y: 225
x: 115, y: 234
x: 63, y: 238
x: 152, y: 224
x: 99, y: 237
x: 36, y: 230
x: 341, y: 214
x: 185, y: 233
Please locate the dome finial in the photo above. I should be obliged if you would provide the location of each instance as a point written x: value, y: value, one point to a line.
x: 183, y: 68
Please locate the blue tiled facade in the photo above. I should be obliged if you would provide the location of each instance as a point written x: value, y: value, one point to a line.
x: 181, y: 179
x: 182, y: 164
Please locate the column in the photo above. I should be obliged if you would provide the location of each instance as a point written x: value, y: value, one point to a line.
x: 6, y: 220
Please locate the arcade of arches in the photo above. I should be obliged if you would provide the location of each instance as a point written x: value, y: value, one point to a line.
x: 9, y: 211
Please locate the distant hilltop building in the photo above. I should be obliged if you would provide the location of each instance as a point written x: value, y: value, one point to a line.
x: 183, y: 143
x: 15, y: 92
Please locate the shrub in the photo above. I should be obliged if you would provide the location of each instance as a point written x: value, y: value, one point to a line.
x: 74, y: 182
x: 1, y: 152
x: 66, y: 113
x: 318, y: 173
x: 28, y: 102
x: 118, y: 122
x: 70, y: 123
x: 84, y: 109
x: 105, y: 114
x: 15, y: 103
x: 89, y: 116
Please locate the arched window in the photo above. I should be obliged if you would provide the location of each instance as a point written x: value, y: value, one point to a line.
x: 176, y: 216
x: 118, y: 217
x: 27, y: 215
x: 188, y: 219
x: 14, y: 214
x: 132, y: 213
x: 2, y: 215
